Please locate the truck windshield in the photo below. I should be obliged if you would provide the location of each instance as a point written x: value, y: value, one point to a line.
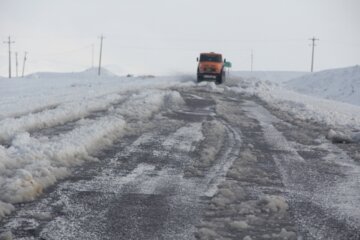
x: 210, y: 58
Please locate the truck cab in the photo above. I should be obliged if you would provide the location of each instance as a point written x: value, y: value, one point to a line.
x: 211, y: 67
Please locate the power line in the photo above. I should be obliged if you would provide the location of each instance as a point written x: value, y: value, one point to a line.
x: 101, y: 43
x: 313, y: 50
x: 9, y: 42
x: 23, y: 70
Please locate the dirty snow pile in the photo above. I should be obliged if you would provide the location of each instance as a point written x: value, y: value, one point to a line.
x: 213, y: 134
x: 31, y: 162
x: 304, y: 107
x: 336, y: 84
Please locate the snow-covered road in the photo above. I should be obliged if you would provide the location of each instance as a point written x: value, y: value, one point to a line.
x: 181, y: 161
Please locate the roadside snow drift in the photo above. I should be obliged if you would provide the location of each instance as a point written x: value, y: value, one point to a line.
x: 300, y: 106
x: 336, y: 84
x: 272, y: 76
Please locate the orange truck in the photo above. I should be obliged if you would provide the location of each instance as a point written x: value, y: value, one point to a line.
x: 211, y: 67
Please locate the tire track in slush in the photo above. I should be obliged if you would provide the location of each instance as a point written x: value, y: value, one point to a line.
x: 181, y: 198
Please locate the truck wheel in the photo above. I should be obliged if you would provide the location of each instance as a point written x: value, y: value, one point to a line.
x: 219, y: 79
x: 199, y: 78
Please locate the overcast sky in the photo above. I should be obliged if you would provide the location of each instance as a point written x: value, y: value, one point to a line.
x: 165, y: 36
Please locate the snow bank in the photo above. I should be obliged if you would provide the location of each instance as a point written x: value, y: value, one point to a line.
x: 30, y: 164
x: 272, y: 76
x: 65, y: 112
x: 337, y: 84
x: 301, y: 106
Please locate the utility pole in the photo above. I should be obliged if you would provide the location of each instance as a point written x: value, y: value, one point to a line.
x: 9, y: 42
x: 92, y: 55
x: 313, y: 50
x: 17, y: 64
x: 23, y: 70
x: 252, y: 59
x: 101, y: 43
